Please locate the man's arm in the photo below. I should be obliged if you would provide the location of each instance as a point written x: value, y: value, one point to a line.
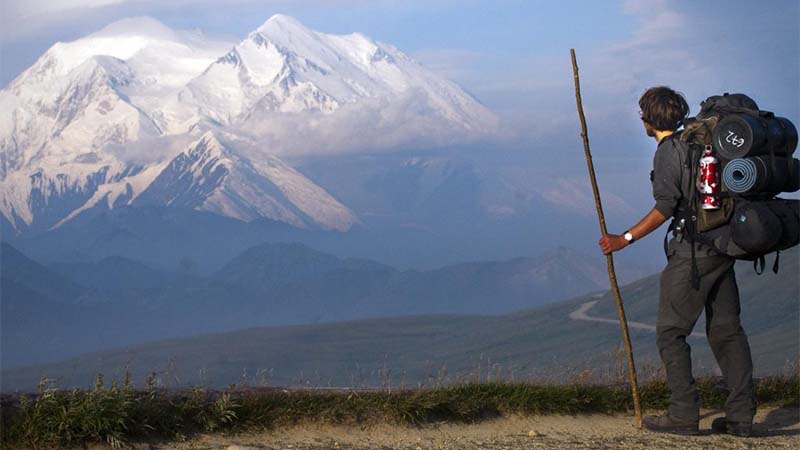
x: 613, y: 242
x: 666, y: 182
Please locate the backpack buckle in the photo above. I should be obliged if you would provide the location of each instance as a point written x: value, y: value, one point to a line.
x: 678, y: 230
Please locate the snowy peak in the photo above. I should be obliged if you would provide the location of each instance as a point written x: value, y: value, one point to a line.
x: 207, y: 160
x: 259, y: 60
x: 209, y: 176
x: 143, y: 26
x: 121, y: 40
x: 74, y: 123
x: 283, y: 25
x: 117, y: 70
x: 289, y: 34
x: 208, y: 152
x: 284, y: 66
x: 191, y: 177
x: 97, y: 73
x: 105, y: 88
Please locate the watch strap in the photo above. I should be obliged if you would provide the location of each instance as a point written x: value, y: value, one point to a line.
x: 628, y: 232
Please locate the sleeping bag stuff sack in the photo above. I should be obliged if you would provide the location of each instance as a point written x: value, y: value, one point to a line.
x: 761, y: 174
x: 765, y: 226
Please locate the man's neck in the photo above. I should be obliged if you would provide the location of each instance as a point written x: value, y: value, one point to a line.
x: 660, y: 135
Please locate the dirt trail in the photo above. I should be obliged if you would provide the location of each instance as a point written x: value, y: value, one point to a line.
x: 581, y: 314
x: 775, y: 429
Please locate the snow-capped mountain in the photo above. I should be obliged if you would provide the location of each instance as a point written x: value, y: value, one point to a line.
x: 209, y: 176
x: 82, y: 95
x: 74, y: 125
x: 285, y: 67
x: 58, y: 117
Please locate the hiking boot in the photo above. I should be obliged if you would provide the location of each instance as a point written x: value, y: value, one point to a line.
x: 668, y: 424
x: 741, y: 429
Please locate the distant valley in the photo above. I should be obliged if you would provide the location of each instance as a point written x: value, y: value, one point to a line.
x: 49, y: 312
x: 540, y: 342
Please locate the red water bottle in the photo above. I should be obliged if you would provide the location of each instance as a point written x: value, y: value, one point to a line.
x: 709, y: 180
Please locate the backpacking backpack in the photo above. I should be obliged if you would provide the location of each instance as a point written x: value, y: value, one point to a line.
x: 754, y: 149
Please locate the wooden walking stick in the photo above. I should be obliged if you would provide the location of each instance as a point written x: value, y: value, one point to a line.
x: 623, y: 322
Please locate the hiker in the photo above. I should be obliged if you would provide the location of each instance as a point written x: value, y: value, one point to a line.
x: 662, y: 112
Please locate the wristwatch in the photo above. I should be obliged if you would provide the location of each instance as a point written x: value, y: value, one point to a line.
x: 628, y: 236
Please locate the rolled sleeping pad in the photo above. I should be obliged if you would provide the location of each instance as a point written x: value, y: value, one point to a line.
x: 756, y: 174
x: 743, y: 135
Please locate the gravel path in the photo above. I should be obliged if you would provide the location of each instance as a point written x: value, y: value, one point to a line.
x: 775, y: 429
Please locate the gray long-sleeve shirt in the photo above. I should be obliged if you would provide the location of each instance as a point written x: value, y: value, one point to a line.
x: 670, y: 179
x: 669, y: 176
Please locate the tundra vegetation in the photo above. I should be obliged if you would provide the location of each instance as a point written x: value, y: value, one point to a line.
x: 122, y: 413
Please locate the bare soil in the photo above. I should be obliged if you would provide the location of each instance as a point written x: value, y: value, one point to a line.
x: 776, y: 428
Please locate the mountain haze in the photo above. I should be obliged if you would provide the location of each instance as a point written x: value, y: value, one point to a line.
x: 118, y: 301
x: 543, y: 342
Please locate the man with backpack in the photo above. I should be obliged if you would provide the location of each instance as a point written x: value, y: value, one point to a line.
x: 696, y: 278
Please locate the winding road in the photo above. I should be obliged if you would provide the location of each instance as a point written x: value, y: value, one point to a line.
x: 581, y: 314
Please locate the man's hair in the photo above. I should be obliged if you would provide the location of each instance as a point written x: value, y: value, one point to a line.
x: 663, y: 108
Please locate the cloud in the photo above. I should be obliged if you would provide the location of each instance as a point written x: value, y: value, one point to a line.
x: 676, y: 44
x: 150, y: 150
x: 26, y: 9
x: 700, y: 49
x: 52, y: 20
x: 370, y: 125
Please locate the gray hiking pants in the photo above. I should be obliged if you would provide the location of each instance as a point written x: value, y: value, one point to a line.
x: 678, y: 310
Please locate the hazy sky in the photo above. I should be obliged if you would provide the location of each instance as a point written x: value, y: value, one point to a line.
x: 512, y: 55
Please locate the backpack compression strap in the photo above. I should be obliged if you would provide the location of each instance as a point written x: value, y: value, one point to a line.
x: 691, y: 224
x: 776, y: 265
x: 759, y: 264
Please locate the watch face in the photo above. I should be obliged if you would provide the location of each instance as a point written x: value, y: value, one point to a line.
x: 628, y: 237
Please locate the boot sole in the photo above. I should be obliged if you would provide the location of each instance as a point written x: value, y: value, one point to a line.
x: 739, y: 434
x: 732, y: 433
